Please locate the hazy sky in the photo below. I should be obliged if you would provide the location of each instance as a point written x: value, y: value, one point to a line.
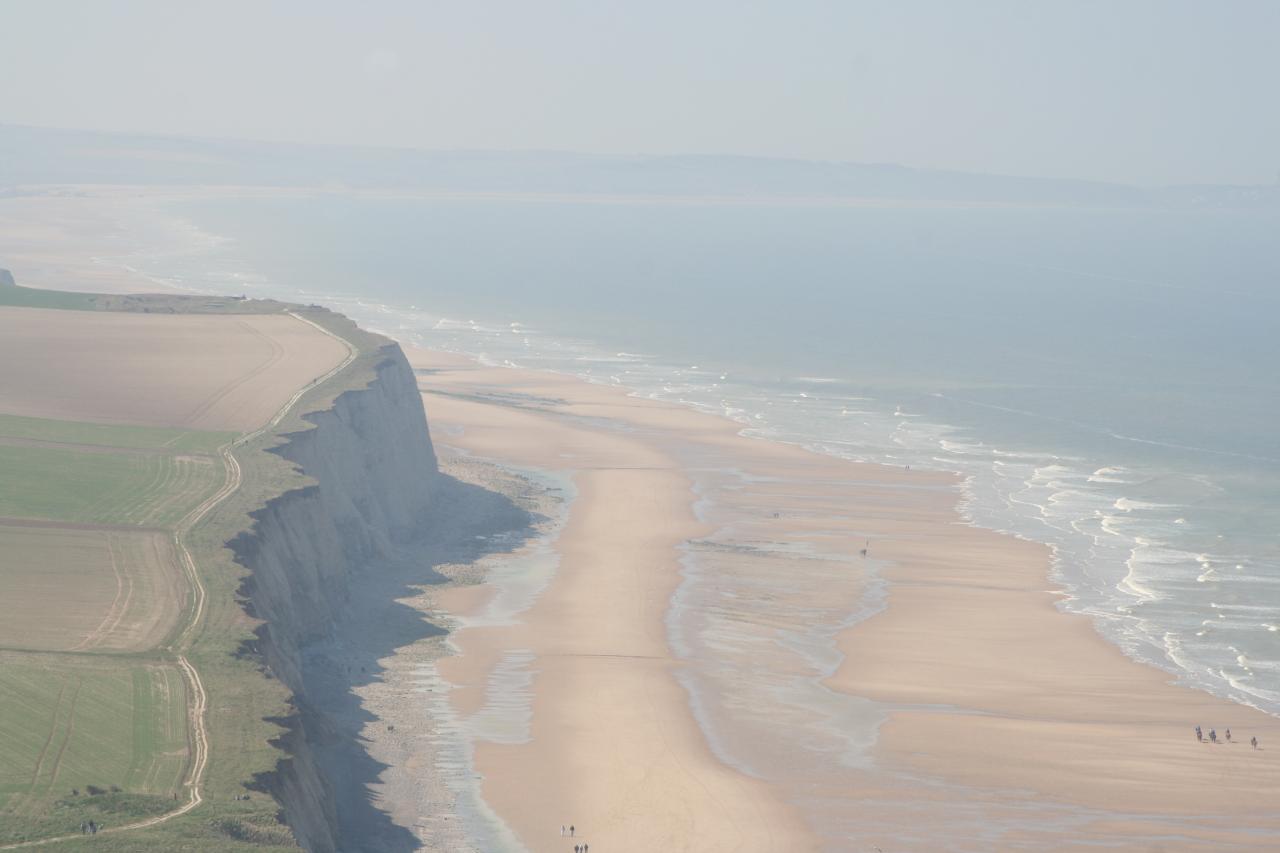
x: 1147, y: 92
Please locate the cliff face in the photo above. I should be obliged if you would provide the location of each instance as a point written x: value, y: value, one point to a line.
x: 373, y: 466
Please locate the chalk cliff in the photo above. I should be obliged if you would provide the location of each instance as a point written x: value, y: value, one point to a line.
x: 370, y: 468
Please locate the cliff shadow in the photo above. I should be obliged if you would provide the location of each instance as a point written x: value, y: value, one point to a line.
x: 467, y: 523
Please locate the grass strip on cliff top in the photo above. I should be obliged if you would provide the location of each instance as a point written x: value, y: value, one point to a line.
x: 251, y: 712
x: 15, y: 295
x: 29, y: 297
x: 127, y: 436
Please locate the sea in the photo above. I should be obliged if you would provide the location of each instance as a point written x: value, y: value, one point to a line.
x: 1105, y: 380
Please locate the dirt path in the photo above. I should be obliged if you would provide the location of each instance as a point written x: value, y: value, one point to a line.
x: 198, y: 698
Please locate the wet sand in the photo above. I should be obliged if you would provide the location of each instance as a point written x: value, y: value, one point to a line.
x: 715, y: 666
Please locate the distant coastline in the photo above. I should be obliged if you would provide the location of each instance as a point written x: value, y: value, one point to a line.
x: 49, y: 156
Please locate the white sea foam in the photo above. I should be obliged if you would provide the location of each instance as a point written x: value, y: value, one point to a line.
x: 1176, y: 653
x: 964, y: 448
x: 1250, y: 688
x: 1112, y: 475
x: 1129, y: 505
x: 1022, y: 454
x: 1242, y: 608
x: 1134, y: 584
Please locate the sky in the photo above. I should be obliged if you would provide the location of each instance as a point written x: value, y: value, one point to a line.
x: 1137, y: 91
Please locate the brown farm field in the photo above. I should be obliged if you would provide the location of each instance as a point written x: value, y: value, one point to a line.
x: 86, y: 588
x: 206, y: 372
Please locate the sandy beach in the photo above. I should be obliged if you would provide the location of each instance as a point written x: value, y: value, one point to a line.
x: 714, y: 665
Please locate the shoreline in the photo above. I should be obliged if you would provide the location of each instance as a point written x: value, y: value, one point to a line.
x: 924, y: 733
x: 915, y: 762
x: 1140, y: 625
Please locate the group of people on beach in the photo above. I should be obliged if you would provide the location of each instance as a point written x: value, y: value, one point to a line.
x: 1213, y: 737
x: 571, y: 831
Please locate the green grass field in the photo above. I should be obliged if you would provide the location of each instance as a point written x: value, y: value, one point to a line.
x: 112, y: 435
x: 15, y: 295
x: 71, y: 722
x: 146, y: 489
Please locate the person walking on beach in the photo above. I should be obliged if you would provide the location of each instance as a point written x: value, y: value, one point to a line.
x: 571, y: 830
x: 1199, y: 737
x: 562, y: 830
x: 1213, y: 735
x: 1253, y: 741
x: 1228, y: 735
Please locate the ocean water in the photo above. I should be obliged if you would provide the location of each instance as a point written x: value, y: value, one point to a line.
x: 1107, y: 381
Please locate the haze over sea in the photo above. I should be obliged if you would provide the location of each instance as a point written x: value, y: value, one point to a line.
x: 1105, y: 378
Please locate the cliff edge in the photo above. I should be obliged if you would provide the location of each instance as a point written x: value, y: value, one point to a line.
x: 373, y: 466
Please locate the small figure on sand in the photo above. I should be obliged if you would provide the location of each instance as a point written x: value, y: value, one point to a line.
x: 1199, y: 737
x: 1213, y: 735
x: 571, y: 830
x: 1253, y: 741
x: 563, y: 832
x: 1228, y: 734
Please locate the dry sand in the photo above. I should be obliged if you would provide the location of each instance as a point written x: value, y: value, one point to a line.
x: 205, y: 372
x: 969, y: 713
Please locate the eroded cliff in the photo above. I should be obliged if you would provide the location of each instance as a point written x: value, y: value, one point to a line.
x: 370, y: 470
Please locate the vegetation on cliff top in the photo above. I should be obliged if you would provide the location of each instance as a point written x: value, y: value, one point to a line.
x: 136, y: 701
